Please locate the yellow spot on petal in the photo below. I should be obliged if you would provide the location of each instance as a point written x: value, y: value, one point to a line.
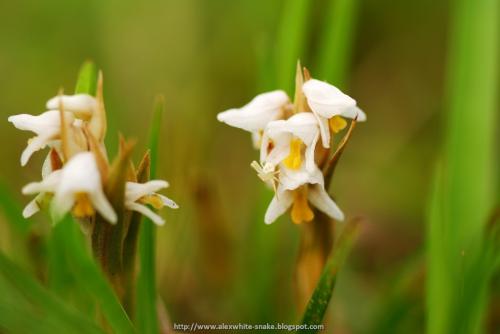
x: 83, y: 207
x: 301, y: 212
x: 294, y: 159
x: 153, y: 200
x: 337, y: 124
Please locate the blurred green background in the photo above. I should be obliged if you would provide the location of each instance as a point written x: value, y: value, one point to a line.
x: 217, y: 262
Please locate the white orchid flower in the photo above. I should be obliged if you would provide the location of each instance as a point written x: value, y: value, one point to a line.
x: 296, y: 190
x: 139, y: 194
x: 83, y: 106
x: 290, y: 141
x: 255, y: 115
x: 76, y: 187
x: 46, y: 126
x: 327, y: 103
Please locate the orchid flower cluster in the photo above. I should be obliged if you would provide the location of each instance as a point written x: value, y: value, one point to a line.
x: 293, y: 138
x: 76, y: 174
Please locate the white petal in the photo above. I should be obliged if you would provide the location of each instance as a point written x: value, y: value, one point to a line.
x: 146, y: 212
x: 256, y: 139
x: 278, y: 206
x: 325, y: 99
x: 135, y: 190
x: 324, y: 130
x: 47, y: 122
x: 303, y: 125
x: 292, y: 179
x: 80, y: 174
x: 47, y: 185
x: 82, y: 105
x: 255, y: 115
x: 318, y: 197
x: 353, y: 112
x: 100, y: 202
x: 47, y: 166
x: 61, y: 205
x: 35, y: 144
x: 278, y: 153
x: 31, y: 208
x: 309, y: 154
x: 168, y: 202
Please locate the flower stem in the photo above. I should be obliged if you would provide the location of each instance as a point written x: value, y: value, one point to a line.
x: 315, y: 245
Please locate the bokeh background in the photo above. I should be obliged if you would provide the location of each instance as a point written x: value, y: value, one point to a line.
x: 217, y: 261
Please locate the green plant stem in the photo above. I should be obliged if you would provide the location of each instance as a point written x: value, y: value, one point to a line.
x: 320, y: 299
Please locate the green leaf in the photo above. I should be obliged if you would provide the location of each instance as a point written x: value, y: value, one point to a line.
x: 291, y: 41
x: 337, y: 39
x: 87, y: 79
x: 318, y: 304
x: 89, y: 276
x: 147, y: 321
x: 464, y: 192
x: 65, y: 316
x: 12, y: 211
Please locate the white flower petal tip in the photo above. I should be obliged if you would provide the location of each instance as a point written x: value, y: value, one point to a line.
x: 360, y: 114
x: 144, y: 210
x: 80, y: 177
x: 321, y: 200
x: 278, y: 206
x: 31, y: 208
x: 168, y: 202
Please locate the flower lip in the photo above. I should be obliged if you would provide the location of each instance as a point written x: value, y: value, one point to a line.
x: 282, y: 133
x: 292, y: 181
x: 79, y: 176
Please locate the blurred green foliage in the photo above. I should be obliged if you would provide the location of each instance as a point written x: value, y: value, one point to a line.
x: 216, y: 261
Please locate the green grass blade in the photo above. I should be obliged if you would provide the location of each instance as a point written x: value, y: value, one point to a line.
x: 467, y: 190
x: 336, y: 42
x: 318, y: 304
x: 147, y: 321
x: 291, y: 40
x: 87, y: 79
x: 89, y: 277
x: 438, y: 289
x: 38, y: 295
x: 12, y: 211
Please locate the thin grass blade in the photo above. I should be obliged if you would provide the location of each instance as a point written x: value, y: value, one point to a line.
x: 464, y: 199
x: 90, y: 278
x: 147, y: 321
x: 36, y: 294
x: 337, y: 40
x: 291, y: 41
x: 87, y: 79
